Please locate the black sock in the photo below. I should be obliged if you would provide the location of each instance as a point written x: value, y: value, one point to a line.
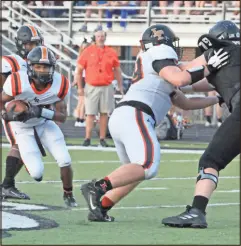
x: 13, y: 165
x: 78, y: 119
x: 104, y: 184
x: 200, y: 202
x: 81, y: 120
x: 208, y: 118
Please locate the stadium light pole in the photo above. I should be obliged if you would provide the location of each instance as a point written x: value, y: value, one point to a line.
x: 224, y: 10
x: 148, y: 13
x: 70, y: 32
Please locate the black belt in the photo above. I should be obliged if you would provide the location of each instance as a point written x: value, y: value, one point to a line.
x: 138, y: 105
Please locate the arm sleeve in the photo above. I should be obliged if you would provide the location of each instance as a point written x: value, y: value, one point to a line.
x: 158, y: 65
x: 207, y: 53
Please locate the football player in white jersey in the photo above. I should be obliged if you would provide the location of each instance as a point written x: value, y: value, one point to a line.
x: 26, y: 39
x: 132, y: 124
x: 45, y: 92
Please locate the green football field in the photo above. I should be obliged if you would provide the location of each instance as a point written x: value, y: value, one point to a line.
x: 45, y: 220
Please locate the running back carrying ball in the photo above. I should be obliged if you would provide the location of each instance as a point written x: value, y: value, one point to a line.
x: 20, y: 106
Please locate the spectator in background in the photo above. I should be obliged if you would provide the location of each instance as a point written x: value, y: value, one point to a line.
x: 201, y: 4
x: 182, y: 3
x: 49, y: 12
x: 122, y: 12
x: 100, y: 15
x: 80, y: 108
x: 101, y: 66
x: 209, y: 112
x: 236, y: 4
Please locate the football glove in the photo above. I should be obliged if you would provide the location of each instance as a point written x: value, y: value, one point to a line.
x: 217, y: 59
x: 12, y: 116
x: 33, y: 112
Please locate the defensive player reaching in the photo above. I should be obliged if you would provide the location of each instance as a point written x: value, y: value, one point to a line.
x: 45, y: 91
x: 27, y: 38
x: 225, y: 145
x: 132, y: 124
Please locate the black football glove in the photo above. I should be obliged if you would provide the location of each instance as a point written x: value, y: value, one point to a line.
x: 220, y: 100
x: 32, y: 112
x: 12, y: 116
x: 217, y: 59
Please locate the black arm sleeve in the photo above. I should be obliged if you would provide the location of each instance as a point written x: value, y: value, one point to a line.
x: 158, y: 65
x: 207, y: 53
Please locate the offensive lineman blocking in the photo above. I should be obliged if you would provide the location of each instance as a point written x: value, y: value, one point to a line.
x: 146, y: 103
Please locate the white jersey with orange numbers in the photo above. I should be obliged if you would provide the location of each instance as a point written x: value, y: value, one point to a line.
x: 19, y: 86
x: 13, y: 63
x: 148, y: 87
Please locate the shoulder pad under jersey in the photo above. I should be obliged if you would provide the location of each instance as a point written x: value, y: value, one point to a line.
x: 162, y: 52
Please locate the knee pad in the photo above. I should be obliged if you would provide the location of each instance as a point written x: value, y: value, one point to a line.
x: 202, y: 175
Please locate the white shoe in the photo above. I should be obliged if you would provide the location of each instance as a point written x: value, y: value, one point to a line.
x: 219, y: 124
x: 207, y: 124
x: 82, y: 124
x: 77, y: 124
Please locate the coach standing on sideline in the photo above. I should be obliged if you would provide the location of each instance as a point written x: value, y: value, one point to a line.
x: 102, y: 66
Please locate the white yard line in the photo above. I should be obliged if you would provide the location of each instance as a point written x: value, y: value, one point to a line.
x: 87, y: 180
x: 228, y: 191
x: 164, y: 206
x: 112, y: 149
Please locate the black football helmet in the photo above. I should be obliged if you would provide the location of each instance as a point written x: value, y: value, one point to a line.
x: 160, y: 34
x: 226, y: 30
x: 41, y: 55
x: 27, y: 34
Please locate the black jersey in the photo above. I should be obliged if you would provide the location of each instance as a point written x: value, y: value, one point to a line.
x: 227, y: 80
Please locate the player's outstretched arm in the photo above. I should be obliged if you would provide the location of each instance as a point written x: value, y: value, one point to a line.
x: 181, y: 101
x: 209, y: 62
x: 200, y: 86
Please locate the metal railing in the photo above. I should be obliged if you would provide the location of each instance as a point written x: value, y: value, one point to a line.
x: 42, y: 21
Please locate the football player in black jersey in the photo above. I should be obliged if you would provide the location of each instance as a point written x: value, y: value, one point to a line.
x: 225, y: 145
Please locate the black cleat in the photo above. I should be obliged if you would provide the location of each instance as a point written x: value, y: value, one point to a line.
x: 106, y: 218
x: 192, y: 217
x: 103, y: 143
x: 13, y: 193
x: 70, y: 200
x: 92, y: 196
x: 86, y: 142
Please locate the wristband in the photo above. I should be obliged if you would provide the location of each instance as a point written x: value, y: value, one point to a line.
x: 197, y: 73
x: 186, y: 89
x: 47, y: 113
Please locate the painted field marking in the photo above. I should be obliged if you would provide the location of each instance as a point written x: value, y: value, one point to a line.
x: 228, y: 191
x: 116, y: 161
x: 88, y: 180
x: 163, y: 206
x: 113, y: 149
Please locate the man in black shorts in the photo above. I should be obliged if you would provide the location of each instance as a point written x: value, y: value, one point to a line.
x: 225, y: 145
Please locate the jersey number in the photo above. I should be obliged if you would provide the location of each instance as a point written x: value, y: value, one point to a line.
x: 205, y: 43
x: 138, y: 73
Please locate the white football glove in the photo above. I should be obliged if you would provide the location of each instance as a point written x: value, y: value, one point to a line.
x: 217, y: 59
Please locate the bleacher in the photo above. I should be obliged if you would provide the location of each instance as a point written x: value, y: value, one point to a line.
x: 188, y: 28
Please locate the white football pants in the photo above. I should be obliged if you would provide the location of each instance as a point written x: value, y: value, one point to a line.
x: 135, y: 139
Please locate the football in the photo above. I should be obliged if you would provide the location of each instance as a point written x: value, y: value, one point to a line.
x: 21, y: 106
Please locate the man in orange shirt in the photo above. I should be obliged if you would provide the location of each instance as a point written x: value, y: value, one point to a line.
x: 101, y: 66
